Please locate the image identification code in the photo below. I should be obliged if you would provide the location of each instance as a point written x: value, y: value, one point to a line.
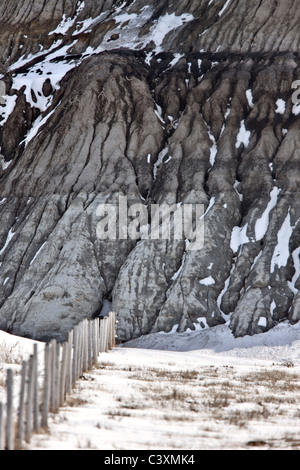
x: 153, y: 459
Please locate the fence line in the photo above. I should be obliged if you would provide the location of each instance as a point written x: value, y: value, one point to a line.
x: 63, y: 365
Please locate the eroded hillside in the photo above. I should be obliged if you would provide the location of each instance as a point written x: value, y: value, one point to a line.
x: 164, y: 103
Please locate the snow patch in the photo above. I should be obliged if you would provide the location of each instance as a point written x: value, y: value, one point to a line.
x: 37, y: 253
x: 208, y: 281
x: 236, y: 186
x: 9, y: 106
x: 4, y: 164
x: 224, y: 7
x: 262, y: 223
x: 38, y: 123
x: 159, y: 161
x: 296, y: 260
x: 172, y: 332
x: 281, y: 106
x: 243, y: 136
x: 164, y: 25
x: 249, y: 96
x: 64, y: 26
x: 8, y: 239
x: 257, y: 258
x: 272, y: 307
x: 223, y: 292
x: 176, y: 275
x: 67, y: 23
x: 262, y: 322
x: 213, y: 149
x: 239, y: 237
x: 210, y: 205
x: 176, y: 58
x: 86, y: 26
x: 201, y: 325
x: 282, y: 253
x: 296, y: 109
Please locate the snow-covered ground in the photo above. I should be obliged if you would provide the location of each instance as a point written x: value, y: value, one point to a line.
x: 197, y: 390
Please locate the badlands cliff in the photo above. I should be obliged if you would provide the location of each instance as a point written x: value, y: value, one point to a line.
x: 164, y: 102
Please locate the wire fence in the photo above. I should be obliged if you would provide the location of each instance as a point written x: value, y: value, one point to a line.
x: 45, y: 382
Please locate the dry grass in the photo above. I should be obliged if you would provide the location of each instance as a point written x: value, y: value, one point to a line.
x: 178, y: 417
x: 248, y: 408
x: 276, y: 379
x: 260, y: 395
x: 10, y: 354
x: 72, y: 401
x: 118, y: 413
x: 215, y: 395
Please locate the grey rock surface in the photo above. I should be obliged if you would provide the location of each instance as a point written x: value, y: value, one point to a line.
x: 162, y: 103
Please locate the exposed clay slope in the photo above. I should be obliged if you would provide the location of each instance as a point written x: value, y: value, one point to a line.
x: 162, y: 102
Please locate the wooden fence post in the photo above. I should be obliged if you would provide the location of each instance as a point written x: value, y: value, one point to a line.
x: 80, y: 357
x: 85, y: 346
x: 94, y: 341
x: 20, y: 429
x: 52, y: 391
x: 63, y: 366
x: 74, y: 358
x: 29, y: 404
x: 1, y: 427
x: 98, y: 336
x: 101, y: 335
x: 63, y: 369
x: 88, y: 345
x: 69, y: 363
x: 114, y: 328
x: 105, y: 334
x: 79, y: 351
x: 9, y: 411
x: 54, y: 375
x: 47, y: 386
x: 83, y: 362
x: 35, y: 389
x: 109, y: 336
x: 108, y: 333
x: 57, y: 375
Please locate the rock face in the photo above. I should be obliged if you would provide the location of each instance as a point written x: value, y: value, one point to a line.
x: 175, y: 103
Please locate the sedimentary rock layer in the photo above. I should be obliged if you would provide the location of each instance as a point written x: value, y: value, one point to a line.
x: 159, y: 103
